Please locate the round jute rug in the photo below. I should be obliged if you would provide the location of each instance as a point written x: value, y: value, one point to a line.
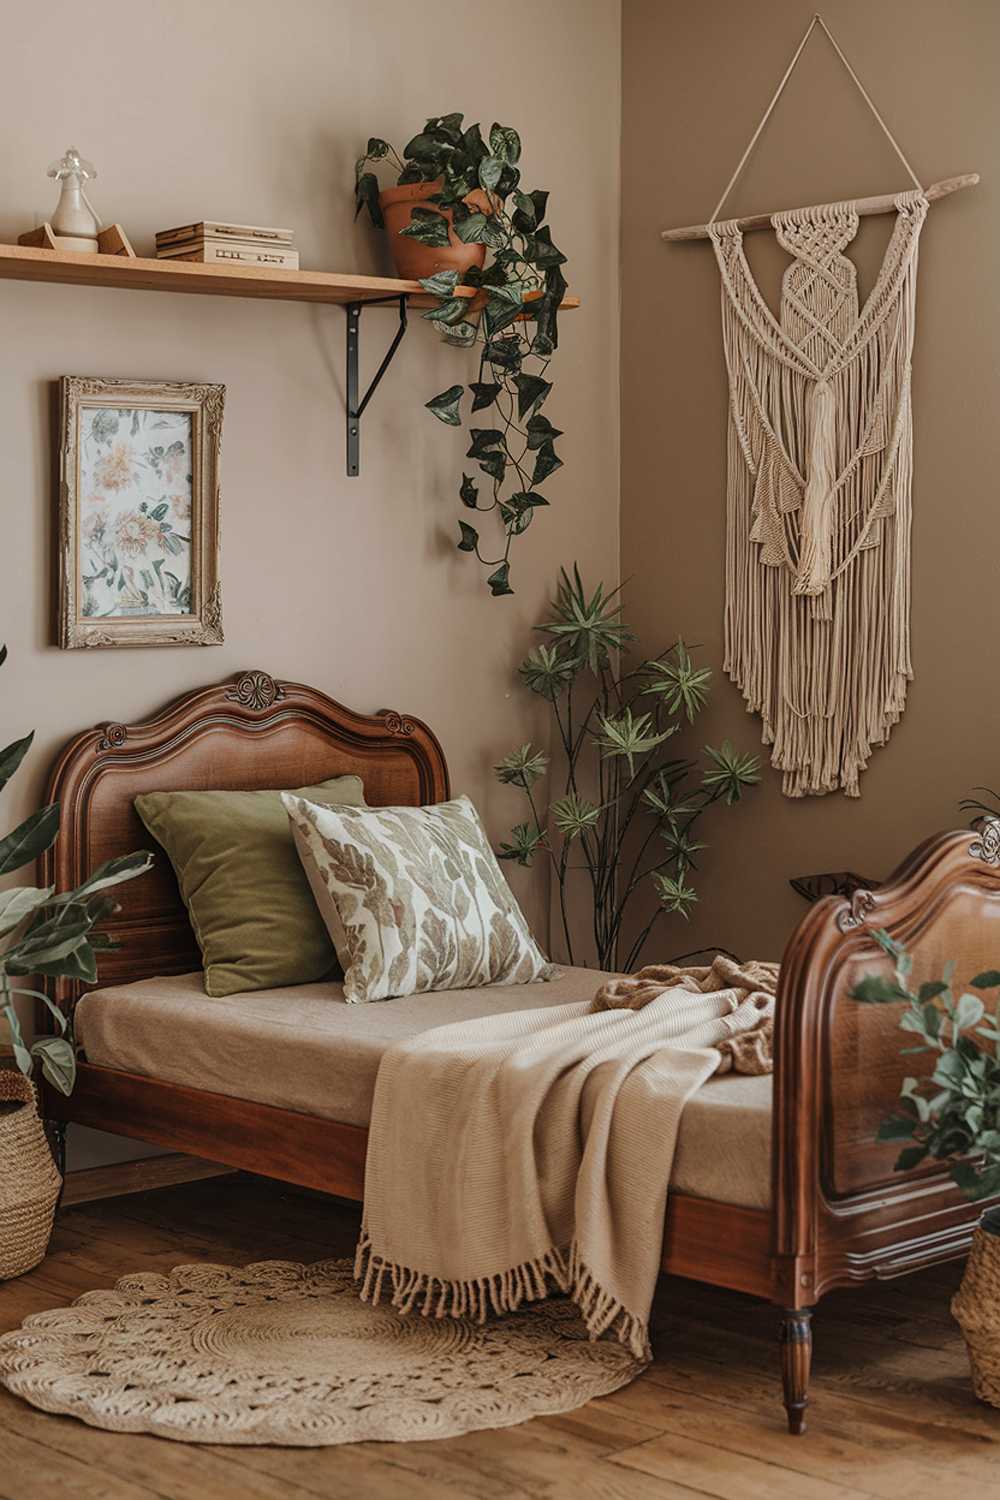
x: 284, y: 1353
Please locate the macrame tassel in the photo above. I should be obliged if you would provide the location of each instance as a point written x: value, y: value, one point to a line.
x: 813, y: 576
x: 818, y: 508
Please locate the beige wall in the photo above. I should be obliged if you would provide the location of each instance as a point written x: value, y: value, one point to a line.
x: 254, y: 110
x: 696, y: 78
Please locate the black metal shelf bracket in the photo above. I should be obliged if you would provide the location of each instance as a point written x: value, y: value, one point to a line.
x: 356, y: 408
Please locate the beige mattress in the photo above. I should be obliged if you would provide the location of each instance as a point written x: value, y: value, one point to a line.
x: 305, y: 1048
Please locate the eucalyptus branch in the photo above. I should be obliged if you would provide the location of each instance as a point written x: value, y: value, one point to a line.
x: 950, y: 1113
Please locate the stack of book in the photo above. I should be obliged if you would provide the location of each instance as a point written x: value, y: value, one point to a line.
x: 229, y: 244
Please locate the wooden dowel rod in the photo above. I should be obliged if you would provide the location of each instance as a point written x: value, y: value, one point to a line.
x: 885, y: 203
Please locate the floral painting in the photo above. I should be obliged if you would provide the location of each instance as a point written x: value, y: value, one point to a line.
x: 136, y: 503
x: 139, y: 506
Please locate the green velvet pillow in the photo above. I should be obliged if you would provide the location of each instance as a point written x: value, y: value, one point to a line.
x: 248, y: 899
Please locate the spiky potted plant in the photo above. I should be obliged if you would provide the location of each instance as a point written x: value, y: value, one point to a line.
x: 463, y: 199
x: 627, y: 812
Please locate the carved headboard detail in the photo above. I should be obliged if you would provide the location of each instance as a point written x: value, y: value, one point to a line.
x: 250, y: 732
x: 839, y: 1065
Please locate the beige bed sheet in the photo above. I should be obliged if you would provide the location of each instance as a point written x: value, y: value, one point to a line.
x: 306, y: 1049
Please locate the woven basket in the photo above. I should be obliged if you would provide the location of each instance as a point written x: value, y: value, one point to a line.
x: 976, y: 1307
x: 29, y: 1182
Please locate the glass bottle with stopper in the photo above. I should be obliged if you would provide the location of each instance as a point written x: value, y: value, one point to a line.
x: 74, y: 224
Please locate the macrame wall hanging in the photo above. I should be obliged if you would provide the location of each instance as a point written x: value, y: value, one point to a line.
x: 819, y: 464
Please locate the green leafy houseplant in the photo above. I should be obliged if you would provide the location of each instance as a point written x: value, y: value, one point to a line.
x: 954, y: 1111
x: 513, y: 320
x: 48, y: 934
x: 638, y: 827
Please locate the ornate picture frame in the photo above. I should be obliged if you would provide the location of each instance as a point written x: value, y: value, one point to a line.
x: 138, y: 548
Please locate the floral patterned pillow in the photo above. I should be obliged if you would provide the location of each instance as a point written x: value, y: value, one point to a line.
x: 413, y: 898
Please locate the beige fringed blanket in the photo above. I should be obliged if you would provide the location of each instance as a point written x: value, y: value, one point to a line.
x: 519, y: 1151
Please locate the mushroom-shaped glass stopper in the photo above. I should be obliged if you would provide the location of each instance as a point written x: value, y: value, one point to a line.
x: 72, y: 164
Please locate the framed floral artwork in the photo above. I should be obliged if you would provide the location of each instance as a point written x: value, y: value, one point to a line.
x: 139, y: 513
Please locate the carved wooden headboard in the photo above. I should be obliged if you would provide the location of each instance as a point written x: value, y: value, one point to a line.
x: 249, y: 732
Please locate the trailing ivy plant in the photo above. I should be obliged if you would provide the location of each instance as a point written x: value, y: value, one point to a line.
x: 513, y: 320
x: 626, y: 813
x: 48, y: 934
x: 954, y: 1111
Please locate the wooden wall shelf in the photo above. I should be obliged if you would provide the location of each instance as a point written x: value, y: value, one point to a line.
x: 140, y: 274
x: 23, y: 263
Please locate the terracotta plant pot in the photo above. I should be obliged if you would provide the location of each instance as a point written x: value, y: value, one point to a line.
x: 976, y: 1307
x: 413, y: 260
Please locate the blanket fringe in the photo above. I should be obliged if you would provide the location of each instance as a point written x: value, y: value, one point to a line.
x: 503, y: 1292
x: 603, y: 1313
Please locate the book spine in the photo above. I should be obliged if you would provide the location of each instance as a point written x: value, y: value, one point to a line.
x: 236, y: 255
x: 211, y: 229
x: 177, y: 236
x: 211, y: 241
x: 247, y: 232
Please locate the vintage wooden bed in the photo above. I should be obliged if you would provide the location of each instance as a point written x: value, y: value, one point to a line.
x: 839, y: 1212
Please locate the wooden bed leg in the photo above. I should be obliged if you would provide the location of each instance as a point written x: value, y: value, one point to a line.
x: 796, y: 1359
x: 56, y: 1132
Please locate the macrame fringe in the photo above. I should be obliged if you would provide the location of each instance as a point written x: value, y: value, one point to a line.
x: 504, y: 1292
x: 818, y: 502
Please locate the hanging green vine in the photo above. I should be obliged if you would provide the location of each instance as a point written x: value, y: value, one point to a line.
x: 514, y: 317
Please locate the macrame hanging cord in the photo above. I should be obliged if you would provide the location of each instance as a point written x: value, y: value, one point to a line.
x: 819, y: 471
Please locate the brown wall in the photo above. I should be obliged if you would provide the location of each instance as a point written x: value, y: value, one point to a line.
x: 254, y: 111
x: 696, y: 79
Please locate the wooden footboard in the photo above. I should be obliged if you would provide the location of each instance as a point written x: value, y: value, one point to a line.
x: 841, y: 1211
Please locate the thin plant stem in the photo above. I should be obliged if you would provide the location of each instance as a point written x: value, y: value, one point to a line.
x: 559, y: 864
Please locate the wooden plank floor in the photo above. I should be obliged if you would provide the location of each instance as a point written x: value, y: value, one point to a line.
x: 893, y: 1414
